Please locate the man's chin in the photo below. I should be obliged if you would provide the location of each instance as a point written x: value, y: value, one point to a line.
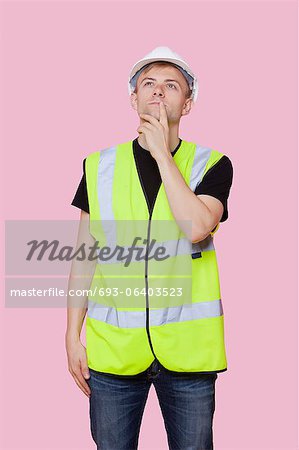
x: 155, y: 114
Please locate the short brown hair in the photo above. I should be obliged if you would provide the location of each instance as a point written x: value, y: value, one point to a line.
x: 188, y: 91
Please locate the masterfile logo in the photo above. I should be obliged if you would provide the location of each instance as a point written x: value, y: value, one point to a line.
x: 130, y: 264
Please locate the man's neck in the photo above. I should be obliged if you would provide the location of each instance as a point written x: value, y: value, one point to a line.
x: 173, y: 139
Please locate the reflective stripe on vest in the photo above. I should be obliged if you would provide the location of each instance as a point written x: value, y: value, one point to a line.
x: 163, y: 316
x: 172, y: 248
x: 201, y: 158
x: 105, y: 178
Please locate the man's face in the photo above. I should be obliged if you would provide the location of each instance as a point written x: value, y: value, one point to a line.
x: 162, y: 83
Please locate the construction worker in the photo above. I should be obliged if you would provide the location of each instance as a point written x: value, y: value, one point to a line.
x: 168, y: 194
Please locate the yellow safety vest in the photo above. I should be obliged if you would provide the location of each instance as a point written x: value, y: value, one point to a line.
x: 163, y: 298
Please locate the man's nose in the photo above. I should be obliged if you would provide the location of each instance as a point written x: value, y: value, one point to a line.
x: 158, y: 91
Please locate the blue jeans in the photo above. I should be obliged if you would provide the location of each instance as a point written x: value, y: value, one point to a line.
x: 187, y: 404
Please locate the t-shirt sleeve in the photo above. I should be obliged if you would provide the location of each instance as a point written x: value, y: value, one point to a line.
x: 81, y: 198
x: 217, y: 182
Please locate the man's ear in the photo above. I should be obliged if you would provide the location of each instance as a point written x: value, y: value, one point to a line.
x: 133, y: 98
x: 187, y: 106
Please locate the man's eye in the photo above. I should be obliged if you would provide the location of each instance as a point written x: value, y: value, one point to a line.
x: 147, y: 82
x: 173, y: 86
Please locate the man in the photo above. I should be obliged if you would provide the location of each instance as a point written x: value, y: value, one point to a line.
x: 175, y: 343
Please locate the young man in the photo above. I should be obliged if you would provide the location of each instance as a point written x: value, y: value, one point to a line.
x: 175, y: 343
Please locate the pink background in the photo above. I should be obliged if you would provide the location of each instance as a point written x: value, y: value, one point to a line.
x: 64, y: 86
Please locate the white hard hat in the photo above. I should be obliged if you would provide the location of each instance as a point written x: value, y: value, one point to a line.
x: 164, y: 54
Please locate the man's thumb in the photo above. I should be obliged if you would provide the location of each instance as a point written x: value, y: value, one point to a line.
x: 86, y: 373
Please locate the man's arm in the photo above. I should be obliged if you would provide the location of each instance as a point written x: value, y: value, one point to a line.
x: 80, y: 278
x: 203, y: 211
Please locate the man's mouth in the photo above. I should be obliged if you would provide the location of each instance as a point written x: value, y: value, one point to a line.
x: 155, y: 103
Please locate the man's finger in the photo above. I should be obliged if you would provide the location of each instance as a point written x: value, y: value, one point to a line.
x: 84, y: 369
x: 86, y: 390
x: 149, y: 118
x: 144, y: 128
x: 81, y: 382
x: 163, y: 115
x: 142, y: 131
x: 148, y: 125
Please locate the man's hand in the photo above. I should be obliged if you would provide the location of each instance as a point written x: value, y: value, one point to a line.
x: 77, y: 362
x: 156, y: 133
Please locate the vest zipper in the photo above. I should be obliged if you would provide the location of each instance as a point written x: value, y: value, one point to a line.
x: 146, y: 284
x: 146, y: 257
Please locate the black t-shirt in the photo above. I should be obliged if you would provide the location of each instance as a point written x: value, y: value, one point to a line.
x: 216, y: 182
